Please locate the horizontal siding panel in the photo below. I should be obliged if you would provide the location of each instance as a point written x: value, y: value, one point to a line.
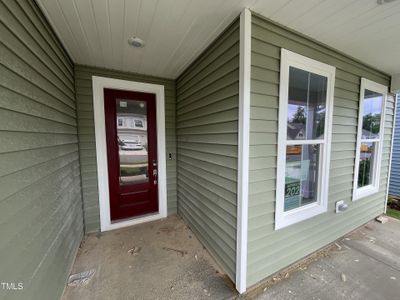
x: 15, y: 102
x: 13, y: 81
x: 222, y: 213
x: 283, y: 38
x: 211, y: 139
x: 18, y: 46
x: 17, y: 141
x: 212, y: 76
x: 207, y: 139
x: 27, y: 123
x: 35, y: 22
x: 210, y: 114
x: 270, y: 250
x: 32, y: 75
x: 210, y: 128
x: 219, y: 250
x: 216, y: 85
x: 41, y: 218
x: 12, y: 162
x: 221, y: 65
x: 224, y: 150
x: 222, y: 97
x: 222, y: 187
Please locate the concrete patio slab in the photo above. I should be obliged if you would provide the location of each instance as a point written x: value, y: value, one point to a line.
x: 157, y: 260
x: 164, y: 260
x: 363, y: 265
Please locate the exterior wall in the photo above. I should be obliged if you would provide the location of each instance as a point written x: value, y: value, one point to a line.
x: 270, y: 250
x: 87, y: 144
x: 394, y: 187
x: 207, y: 137
x: 40, y: 200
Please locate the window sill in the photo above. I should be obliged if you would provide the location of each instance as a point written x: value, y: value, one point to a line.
x: 364, y: 192
x: 298, y: 215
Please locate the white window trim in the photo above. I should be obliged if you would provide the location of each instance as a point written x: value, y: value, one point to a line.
x: 99, y: 84
x: 359, y: 193
x: 282, y: 218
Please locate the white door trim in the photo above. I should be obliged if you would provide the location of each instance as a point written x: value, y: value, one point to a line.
x: 99, y: 84
x: 243, y: 150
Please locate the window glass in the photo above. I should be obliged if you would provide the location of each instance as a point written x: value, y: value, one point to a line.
x: 301, y: 175
x: 306, y: 105
x: 366, y: 164
x: 132, y: 142
x: 369, y: 139
x: 138, y: 123
x: 306, y: 122
x: 120, y: 122
x: 372, y: 108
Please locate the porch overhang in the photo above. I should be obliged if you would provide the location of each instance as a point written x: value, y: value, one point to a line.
x: 96, y: 33
x: 395, y: 84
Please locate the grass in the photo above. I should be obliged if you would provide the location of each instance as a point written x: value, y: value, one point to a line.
x: 393, y: 213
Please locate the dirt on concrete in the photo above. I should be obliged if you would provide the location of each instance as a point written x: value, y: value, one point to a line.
x: 164, y: 260
x: 157, y: 260
x: 364, y: 264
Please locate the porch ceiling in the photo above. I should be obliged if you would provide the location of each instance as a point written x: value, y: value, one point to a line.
x: 95, y: 32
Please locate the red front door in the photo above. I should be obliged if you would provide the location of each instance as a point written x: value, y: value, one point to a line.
x: 131, y: 152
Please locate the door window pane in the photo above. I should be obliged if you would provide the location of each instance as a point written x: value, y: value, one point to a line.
x: 306, y: 105
x: 301, y: 176
x: 132, y: 141
x: 372, y: 109
x: 366, y: 163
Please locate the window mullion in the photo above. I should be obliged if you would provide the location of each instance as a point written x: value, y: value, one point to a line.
x: 304, y: 142
x: 370, y: 140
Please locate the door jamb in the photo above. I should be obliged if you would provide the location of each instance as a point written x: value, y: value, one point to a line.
x: 99, y: 84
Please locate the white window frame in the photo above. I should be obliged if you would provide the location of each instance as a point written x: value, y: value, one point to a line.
x: 359, y: 193
x: 282, y: 218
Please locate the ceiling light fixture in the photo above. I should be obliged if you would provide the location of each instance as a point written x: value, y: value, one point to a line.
x: 136, y: 42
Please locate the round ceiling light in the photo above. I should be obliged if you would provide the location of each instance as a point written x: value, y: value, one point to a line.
x: 136, y: 42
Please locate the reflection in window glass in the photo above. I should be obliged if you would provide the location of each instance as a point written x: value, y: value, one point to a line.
x: 307, y: 105
x: 120, y: 122
x: 366, y: 164
x: 301, y: 175
x: 138, y: 123
x: 132, y: 141
x: 372, y: 108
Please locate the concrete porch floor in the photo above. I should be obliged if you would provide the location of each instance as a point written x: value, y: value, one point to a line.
x: 157, y: 260
x: 363, y: 265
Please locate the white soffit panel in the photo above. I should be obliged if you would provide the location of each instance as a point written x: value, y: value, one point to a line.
x: 95, y: 32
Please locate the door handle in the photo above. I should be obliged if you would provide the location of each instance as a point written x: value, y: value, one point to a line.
x: 155, y: 173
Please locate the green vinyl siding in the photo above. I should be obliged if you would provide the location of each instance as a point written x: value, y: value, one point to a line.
x: 270, y: 250
x: 207, y: 137
x: 87, y: 142
x: 41, y: 221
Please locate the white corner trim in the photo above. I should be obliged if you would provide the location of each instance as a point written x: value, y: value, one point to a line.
x: 359, y: 193
x: 391, y: 149
x: 99, y: 84
x: 243, y: 150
